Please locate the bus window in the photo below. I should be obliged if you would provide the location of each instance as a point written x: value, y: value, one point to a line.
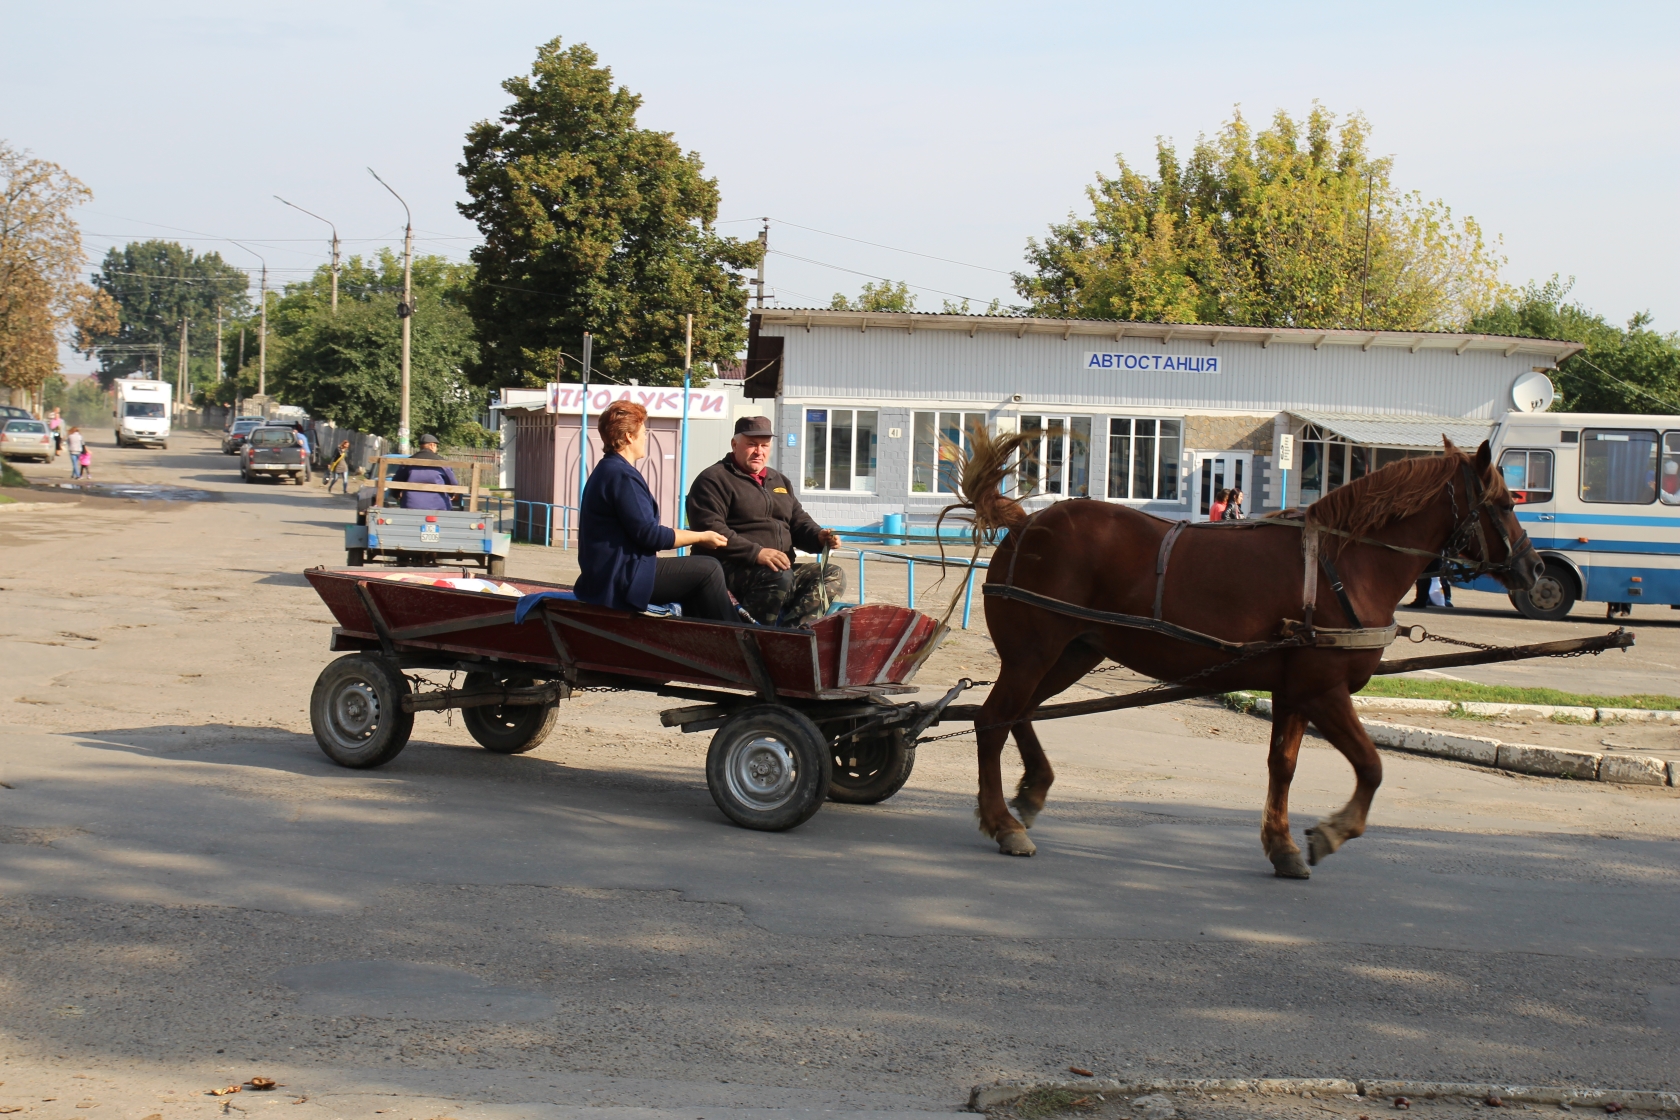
x: 1618, y: 465
x: 1528, y: 475
x: 1669, y: 488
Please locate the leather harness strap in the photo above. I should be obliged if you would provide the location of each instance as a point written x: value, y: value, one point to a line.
x: 1335, y: 579
x: 1161, y: 559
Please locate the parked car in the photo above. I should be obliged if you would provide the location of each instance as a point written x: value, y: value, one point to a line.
x: 25, y: 439
x: 273, y: 452
x: 234, y: 438
x: 13, y: 412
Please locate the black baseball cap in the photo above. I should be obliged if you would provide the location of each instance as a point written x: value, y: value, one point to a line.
x: 754, y: 426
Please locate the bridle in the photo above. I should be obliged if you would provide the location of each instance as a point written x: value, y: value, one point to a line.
x: 1477, y: 500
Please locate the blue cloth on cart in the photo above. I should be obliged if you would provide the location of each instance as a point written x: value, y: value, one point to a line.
x: 526, y: 602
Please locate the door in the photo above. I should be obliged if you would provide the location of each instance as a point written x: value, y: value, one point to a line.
x: 1220, y: 470
x: 659, y: 468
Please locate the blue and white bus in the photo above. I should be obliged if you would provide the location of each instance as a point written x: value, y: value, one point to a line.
x: 1599, y: 495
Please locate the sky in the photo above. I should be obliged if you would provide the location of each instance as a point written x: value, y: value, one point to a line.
x: 919, y: 142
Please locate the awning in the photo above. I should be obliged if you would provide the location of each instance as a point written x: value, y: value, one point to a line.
x: 1422, y: 432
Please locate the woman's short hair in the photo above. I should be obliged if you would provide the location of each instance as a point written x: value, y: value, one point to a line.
x: 618, y: 423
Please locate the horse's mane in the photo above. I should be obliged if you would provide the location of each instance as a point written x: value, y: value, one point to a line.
x: 1387, y: 495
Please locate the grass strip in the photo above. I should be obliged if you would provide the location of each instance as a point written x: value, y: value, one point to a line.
x: 1462, y: 692
x: 11, y: 476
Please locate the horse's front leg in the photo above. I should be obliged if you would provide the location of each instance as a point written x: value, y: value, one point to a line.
x: 1288, y: 726
x: 1334, y: 715
x: 1011, y: 698
x: 1036, y: 776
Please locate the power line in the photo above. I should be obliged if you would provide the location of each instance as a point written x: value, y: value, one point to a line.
x: 893, y: 248
x: 872, y: 276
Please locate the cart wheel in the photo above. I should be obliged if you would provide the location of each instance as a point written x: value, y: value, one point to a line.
x: 768, y: 768
x: 496, y: 566
x: 356, y: 557
x: 872, y: 769
x: 513, y: 729
x: 356, y: 711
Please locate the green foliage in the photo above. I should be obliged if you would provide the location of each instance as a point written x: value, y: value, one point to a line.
x: 155, y: 284
x: 1635, y: 369
x: 952, y: 307
x: 1265, y: 229
x: 1464, y: 692
x: 11, y: 476
x: 83, y: 402
x: 348, y: 367
x: 593, y: 224
x: 885, y: 296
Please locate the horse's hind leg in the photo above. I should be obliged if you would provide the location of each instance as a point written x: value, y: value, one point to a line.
x: 1287, y: 728
x: 1037, y: 775
x: 1333, y: 714
x: 1010, y: 699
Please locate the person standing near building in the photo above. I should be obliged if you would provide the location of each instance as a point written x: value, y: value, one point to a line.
x: 1233, y: 506
x: 752, y: 505
x: 1216, y: 511
x: 55, y: 425
x: 74, y: 443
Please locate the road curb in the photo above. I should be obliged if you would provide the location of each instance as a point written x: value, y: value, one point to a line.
x: 983, y: 1098
x: 1518, y: 758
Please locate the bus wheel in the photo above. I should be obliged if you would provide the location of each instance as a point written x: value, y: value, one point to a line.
x: 1553, y: 596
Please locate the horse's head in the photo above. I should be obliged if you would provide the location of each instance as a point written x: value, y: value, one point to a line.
x: 1486, y: 531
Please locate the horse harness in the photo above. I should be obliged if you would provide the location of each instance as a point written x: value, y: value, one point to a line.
x: 1302, y: 634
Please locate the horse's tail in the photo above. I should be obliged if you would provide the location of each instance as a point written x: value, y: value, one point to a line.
x: 982, y: 472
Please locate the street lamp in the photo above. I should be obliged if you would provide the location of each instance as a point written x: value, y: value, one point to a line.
x: 405, y: 310
x: 334, y: 228
x: 262, y: 331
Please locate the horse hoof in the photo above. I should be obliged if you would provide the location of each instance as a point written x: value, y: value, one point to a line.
x: 1318, y: 846
x: 1026, y: 812
x: 1289, y: 865
x: 1016, y: 844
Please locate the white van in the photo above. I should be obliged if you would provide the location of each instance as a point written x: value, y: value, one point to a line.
x: 1599, y: 495
x: 142, y: 411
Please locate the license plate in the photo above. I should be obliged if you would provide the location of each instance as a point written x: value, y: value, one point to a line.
x: 429, y: 534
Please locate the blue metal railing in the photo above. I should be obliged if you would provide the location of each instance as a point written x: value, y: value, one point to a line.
x: 534, y: 522
x: 910, y: 560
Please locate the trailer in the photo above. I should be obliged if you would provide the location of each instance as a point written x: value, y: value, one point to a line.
x: 426, y: 537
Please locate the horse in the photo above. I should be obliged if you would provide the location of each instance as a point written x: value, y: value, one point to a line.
x: 1227, y: 604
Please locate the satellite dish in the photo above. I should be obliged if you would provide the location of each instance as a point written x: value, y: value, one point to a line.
x: 1532, y: 392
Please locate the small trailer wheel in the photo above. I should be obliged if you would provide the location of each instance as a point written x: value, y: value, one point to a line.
x: 768, y: 768
x: 871, y: 769
x: 513, y: 729
x: 356, y: 711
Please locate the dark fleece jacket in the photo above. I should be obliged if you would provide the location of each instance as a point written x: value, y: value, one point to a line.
x: 728, y: 500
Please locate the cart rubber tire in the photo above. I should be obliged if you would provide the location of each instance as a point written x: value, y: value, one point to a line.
x: 1553, y: 597
x: 496, y: 566
x: 514, y: 729
x: 872, y: 769
x: 768, y: 768
x: 356, y: 711
x: 355, y: 557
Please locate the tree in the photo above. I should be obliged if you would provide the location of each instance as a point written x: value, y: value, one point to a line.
x: 1620, y: 370
x: 1265, y: 229
x: 593, y: 224
x: 156, y: 284
x: 883, y: 297
x: 41, y: 294
x: 347, y: 366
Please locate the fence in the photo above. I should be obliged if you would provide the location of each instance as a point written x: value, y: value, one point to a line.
x: 910, y: 560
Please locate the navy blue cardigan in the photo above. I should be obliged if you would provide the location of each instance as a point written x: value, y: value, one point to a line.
x: 618, y: 534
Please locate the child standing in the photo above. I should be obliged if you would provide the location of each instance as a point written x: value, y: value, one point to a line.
x: 75, y: 444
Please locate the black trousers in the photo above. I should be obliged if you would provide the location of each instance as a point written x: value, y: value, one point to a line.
x: 697, y: 583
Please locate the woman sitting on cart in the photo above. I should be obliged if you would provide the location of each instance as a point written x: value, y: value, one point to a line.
x: 619, y: 534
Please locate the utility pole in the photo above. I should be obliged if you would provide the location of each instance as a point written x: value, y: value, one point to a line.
x: 1365, y: 273
x: 763, y: 251
x: 583, y: 430
x: 405, y: 309
x: 218, y: 343
x: 182, y: 379
x: 334, y: 229
x: 682, y: 454
x: 262, y: 329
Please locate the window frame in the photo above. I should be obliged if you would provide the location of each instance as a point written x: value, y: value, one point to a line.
x: 1162, y: 468
x: 927, y: 455
x: 1526, y: 494
x: 859, y: 450
x: 1590, y: 436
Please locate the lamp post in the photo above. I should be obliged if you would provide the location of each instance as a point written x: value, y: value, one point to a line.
x: 262, y: 331
x: 405, y: 309
x: 334, y: 229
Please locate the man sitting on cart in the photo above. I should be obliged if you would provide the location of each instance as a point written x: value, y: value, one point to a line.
x: 418, y: 470
x: 752, y: 505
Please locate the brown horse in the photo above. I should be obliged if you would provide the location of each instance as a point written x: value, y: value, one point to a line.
x: 1236, y: 581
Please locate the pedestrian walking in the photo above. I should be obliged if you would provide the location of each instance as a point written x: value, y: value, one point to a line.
x: 55, y: 424
x: 339, y: 468
x: 1234, y: 507
x: 1423, y: 599
x: 75, y: 444
x: 1216, y: 511
x: 85, y: 461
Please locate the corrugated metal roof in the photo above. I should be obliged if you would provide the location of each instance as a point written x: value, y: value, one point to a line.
x: 1401, y: 431
x: 1213, y: 334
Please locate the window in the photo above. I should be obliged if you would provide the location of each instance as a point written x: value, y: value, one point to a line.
x: 152, y: 409
x: 1057, y: 463
x: 1143, y: 458
x: 1618, y: 465
x: 933, y: 462
x: 1328, y: 461
x: 1528, y: 474
x: 273, y: 437
x: 1669, y: 488
x: 840, y: 449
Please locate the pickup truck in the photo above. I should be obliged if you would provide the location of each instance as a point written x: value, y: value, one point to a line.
x: 271, y: 452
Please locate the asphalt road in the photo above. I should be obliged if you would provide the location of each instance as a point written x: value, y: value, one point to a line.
x: 190, y: 894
